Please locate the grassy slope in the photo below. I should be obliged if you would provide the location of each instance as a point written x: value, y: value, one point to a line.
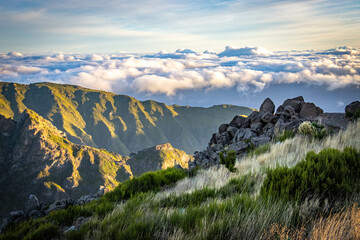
x: 117, y: 123
x: 217, y: 204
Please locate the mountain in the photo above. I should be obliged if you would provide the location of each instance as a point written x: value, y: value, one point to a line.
x: 117, y: 123
x: 37, y: 158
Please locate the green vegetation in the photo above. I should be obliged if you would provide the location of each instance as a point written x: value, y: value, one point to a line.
x: 286, y: 134
x: 151, y: 181
x: 228, y: 160
x: 259, y: 150
x: 313, y: 129
x: 328, y: 174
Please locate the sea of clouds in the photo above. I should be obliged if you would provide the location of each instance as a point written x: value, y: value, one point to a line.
x: 248, y: 69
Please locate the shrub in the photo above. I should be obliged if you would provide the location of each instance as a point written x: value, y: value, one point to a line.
x: 328, y: 174
x: 356, y: 114
x: 259, y: 150
x: 313, y: 129
x: 228, y: 160
x: 151, y: 181
x: 45, y: 231
x: 286, y: 134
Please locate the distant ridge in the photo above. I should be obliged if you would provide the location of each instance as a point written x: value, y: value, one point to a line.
x: 118, y: 123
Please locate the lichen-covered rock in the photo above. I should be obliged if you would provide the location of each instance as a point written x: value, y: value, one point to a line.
x: 309, y: 110
x: 237, y: 121
x: 223, y: 128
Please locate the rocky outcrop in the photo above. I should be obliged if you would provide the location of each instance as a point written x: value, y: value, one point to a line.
x: 352, y: 108
x: 259, y: 128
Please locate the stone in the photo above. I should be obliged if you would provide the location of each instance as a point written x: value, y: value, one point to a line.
x: 213, y: 139
x: 267, y: 106
x: 239, y: 135
x: 351, y: 108
x: 261, y: 140
x: 248, y: 134
x: 232, y: 131
x: 16, y: 214
x: 256, y: 127
x: 237, y: 121
x: 69, y: 229
x: 59, y: 205
x: 86, y: 199
x: 289, y: 109
x: 224, y: 138
x: 239, y: 147
x: 35, y: 214
x: 32, y: 203
x: 295, y: 103
x: 267, y: 117
x: 309, y: 110
x: 223, y: 128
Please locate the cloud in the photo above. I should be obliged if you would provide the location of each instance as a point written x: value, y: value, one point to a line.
x: 248, y: 69
x: 252, y: 51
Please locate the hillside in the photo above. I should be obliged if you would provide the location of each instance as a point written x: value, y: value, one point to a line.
x: 117, y: 123
x: 263, y: 199
x: 36, y: 158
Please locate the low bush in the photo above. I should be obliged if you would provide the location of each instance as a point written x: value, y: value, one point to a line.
x: 329, y: 174
x: 228, y: 160
x: 151, y: 181
x: 313, y: 129
x: 286, y: 134
x: 44, y: 232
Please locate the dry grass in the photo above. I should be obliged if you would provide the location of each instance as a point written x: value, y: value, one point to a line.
x: 287, y: 153
x: 344, y: 225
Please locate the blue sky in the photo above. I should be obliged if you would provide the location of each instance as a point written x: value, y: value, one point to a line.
x: 99, y: 26
x: 197, y: 53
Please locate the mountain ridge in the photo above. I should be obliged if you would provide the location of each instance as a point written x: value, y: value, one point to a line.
x: 114, y: 122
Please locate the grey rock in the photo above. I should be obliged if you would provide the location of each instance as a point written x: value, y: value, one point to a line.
x: 59, y: 205
x: 239, y: 147
x: 267, y: 106
x: 213, y: 139
x: 309, y: 110
x: 256, y: 127
x: 352, y: 107
x: 35, y: 214
x: 223, y: 128
x: 267, y: 117
x: 16, y: 214
x: 232, y: 131
x: 224, y: 138
x: 32, y: 203
x: 289, y: 109
x: 239, y: 135
x: 261, y: 140
x: 295, y: 103
x: 237, y: 121
x: 248, y: 134
x: 69, y: 229
x: 86, y: 199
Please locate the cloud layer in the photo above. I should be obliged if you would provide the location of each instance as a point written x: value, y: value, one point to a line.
x: 248, y: 69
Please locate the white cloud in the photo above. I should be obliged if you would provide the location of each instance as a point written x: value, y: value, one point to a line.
x: 153, y: 74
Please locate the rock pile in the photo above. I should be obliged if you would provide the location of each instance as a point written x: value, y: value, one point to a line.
x: 34, y: 209
x: 257, y: 129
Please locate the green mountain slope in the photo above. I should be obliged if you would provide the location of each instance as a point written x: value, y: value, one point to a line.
x: 117, y: 123
x: 37, y: 158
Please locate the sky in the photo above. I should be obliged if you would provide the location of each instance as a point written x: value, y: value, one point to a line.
x: 198, y: 53
x: 143, y: 26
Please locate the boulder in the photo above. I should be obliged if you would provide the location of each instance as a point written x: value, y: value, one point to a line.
x: 309, y: 110
x: 267, y: 106
x: 261, y: 140
x: 237, y: 121
x: 223, y: 128
x: 231, y: 131
x: 351, y: 108
x: 239, y: 147
x: 256, y: 127
x: 295, y: 103
x: 289, y: 109
x: 239, y: 135
x: 267, y: 117
x: 248, y: 134
x: 59, y: 205
x: 32, y: 204
x: 86, y: 199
